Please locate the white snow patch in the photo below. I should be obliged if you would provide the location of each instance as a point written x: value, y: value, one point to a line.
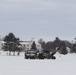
x: 17, y: 65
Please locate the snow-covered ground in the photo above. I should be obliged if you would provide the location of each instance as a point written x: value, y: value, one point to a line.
x: 17, y: 65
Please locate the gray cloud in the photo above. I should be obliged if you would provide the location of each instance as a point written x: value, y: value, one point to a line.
x: 38, y: 18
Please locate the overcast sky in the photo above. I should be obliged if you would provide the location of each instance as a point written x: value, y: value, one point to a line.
x: 45, y: 19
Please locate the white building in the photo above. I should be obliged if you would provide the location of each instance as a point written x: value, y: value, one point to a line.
x: 1, y: 45
x: 26, y: 45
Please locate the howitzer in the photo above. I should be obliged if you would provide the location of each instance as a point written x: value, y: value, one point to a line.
x: 53, y: 53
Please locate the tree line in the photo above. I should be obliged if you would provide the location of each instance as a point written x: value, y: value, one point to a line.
x: 12, y: 44
x: 62, y: 46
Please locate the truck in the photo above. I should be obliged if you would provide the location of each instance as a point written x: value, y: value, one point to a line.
x: 31, y: 54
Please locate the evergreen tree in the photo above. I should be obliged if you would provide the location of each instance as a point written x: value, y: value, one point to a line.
x: 57, y: 42
x: 11, y: 43
x: 63, y: 48
x: 33, y: 46
x: 74, y: 48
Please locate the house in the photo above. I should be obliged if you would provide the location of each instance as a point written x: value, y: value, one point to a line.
x: 26, y: 45
x: 1, y: 44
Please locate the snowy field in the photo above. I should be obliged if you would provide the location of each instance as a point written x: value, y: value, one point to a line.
x: 17, y: 65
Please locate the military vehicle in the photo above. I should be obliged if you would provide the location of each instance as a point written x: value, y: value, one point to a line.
x: 47, y: 55
x: 34, y: 54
